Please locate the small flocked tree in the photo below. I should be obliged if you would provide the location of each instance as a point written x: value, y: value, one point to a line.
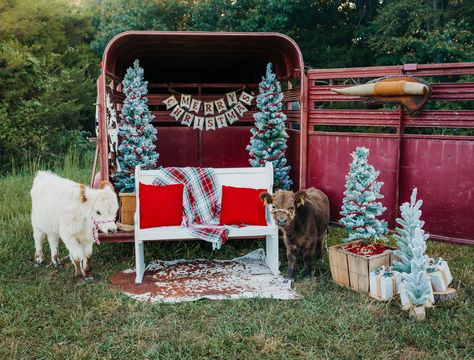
x: 417, y: 283
x: 359, y: 206
x: 268, y: 141
x: 137, y: 134
x: 409, y: 222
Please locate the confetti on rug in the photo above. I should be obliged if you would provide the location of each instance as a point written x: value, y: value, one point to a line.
x: 188, y: 280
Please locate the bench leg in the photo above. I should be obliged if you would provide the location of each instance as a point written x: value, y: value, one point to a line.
x: 139, y: 262
x: 271, y: 253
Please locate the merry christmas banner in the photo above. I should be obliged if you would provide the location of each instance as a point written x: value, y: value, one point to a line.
x: 209, y: 115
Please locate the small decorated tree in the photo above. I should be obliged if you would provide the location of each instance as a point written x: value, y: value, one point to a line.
x: 268, y: 141
x: 410, y: 222
x: 415, y: 289
x: 137, y: 134
x: 360, y: 208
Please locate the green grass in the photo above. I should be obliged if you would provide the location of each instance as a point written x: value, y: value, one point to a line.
x: 43, y: 314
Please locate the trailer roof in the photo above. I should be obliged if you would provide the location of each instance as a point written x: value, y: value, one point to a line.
x: 203, y: 56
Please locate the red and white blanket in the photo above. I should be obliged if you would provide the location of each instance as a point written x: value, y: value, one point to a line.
x: 200, y: 202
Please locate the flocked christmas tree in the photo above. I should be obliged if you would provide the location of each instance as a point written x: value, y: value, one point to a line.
x: 268, y: 141
x: 360, y: 207
x: 417, y: 283
x: 410, y: 222
x: 137, y: 134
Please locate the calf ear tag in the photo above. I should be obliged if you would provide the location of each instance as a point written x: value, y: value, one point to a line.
x: 299, y: 198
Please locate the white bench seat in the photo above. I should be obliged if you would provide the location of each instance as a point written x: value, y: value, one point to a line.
x: 257, y: 178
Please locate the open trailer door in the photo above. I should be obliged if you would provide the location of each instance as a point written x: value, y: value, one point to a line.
x: 433, y: 151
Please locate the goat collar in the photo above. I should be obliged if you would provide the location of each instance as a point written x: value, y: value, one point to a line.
x: 95, y: 229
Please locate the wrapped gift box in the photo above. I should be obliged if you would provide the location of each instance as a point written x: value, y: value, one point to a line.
x: 440, y: 275
x: 384, y: 283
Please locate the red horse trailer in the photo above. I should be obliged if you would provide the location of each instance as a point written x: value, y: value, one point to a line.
x: 323, y: 127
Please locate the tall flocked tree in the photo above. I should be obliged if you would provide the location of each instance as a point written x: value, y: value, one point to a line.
x: 416, y: 282
x: 137, y: 134
x: 411, y: 240
x: 410, y: 222
x: 359, y: 206
x: 268, y: 141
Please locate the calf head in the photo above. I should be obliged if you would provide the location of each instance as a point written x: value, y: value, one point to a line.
x: 283, y: 205
x: 102, y: 206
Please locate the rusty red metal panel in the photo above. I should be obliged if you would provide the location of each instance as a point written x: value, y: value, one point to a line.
x: 329, y: 159
x: 178, y: 146
x: 443, y: 172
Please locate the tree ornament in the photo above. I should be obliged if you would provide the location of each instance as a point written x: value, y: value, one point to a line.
x: 359, y: 206
x: 137, y: 134
x: 268, y: 140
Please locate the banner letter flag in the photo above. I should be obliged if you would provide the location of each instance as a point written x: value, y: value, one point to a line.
x: 220, y: 120
x: 231, y: 98
x: 210, y: 124
x: 231, y: 116
x: 240, y: 109
x: 170, y: 102
x: 208, y: 108
x: 185, y: 101
x: 245, y: 98
x: 187, y: 119
x: 195, y: 105
x: 220, y: 105
x: 177, y: 112
x: 198, y: 122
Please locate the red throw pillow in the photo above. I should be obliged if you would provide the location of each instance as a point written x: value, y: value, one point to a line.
x: 161, y: 205
x: 242, y: 206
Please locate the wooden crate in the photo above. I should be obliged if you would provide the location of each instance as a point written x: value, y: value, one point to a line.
x: 352, y: 270
x: 127, y: 208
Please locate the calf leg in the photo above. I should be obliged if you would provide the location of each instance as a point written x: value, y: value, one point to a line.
x: 291, y: 256
x: 308, y: 254
x: 320, y: 246
x: 53, y: 245
x: 38, y: 235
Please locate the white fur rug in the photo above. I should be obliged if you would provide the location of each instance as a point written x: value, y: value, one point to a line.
x: 188, y: 280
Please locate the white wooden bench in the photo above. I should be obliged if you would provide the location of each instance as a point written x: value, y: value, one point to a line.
x: 257, y: 178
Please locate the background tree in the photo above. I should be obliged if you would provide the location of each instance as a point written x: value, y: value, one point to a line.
x: 268, y: 141
x: 47, y: 72
x: 359, y: 206
x: 137, y: 134
x: 409, y: 222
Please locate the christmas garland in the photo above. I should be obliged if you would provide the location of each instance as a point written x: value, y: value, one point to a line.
x: 208, y: 114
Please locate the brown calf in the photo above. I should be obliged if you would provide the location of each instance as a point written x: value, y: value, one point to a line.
x: 303, y: 218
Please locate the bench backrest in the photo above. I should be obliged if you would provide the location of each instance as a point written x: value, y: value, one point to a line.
x: 256, y: 178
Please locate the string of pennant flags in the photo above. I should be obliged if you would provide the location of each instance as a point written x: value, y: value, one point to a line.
x: 208, y: 115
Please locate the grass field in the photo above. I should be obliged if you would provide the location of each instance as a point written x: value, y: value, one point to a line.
x: 43, y: 314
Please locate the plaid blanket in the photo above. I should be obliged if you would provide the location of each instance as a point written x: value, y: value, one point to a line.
x: 200, y: 202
